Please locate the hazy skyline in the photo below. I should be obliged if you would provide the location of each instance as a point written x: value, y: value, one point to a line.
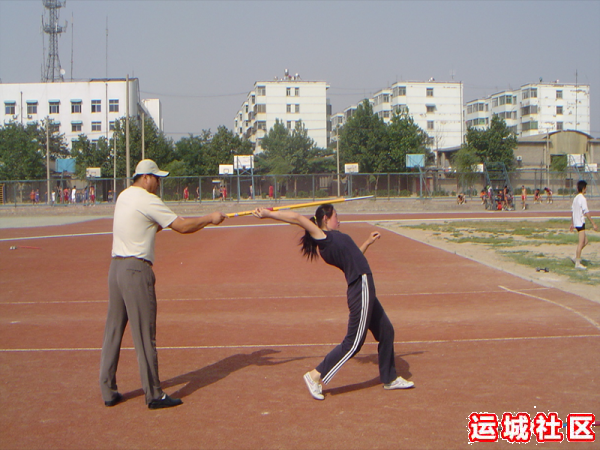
x: 201, y: 58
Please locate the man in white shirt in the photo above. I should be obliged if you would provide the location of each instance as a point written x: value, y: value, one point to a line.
x: 580, y: 212
x: 139, y: 215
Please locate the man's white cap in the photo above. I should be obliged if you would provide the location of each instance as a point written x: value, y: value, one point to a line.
x: 147, y: 166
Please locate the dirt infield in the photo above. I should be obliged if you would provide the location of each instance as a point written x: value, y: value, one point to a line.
x: 242, y: 316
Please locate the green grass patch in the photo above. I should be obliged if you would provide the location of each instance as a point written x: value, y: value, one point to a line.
x: 561, y: 266
x: 505, y: 237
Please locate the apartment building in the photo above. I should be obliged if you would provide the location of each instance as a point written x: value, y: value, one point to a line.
x: 436, y: 107
x: 535, y: 108
x: 289, y: 100
x: 88, y: 107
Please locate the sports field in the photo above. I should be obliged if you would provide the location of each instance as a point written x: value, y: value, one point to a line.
x: 242, y: 316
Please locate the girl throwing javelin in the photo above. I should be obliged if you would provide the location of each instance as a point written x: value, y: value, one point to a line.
x: 366, y: 313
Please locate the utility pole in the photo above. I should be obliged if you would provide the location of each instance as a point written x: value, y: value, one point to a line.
x: 143, y: 139
x: 48, y: 196
x: 127, y: 162
x: 337, y: 152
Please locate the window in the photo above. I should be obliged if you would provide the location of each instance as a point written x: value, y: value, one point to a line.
x: 495, y: 102
x: 76, y: 127
x: 292, y: 108
x: 261, y: 90
x: 297, y: 108
x: 288, y: 92
x: 386, y: 114
x: 96, y: 106
x: 75, y: 107
x: 111, y: 125
x: 261, y: 108
x: 559, y: 94
x: 385, y: 98
x: 530, y: 92
x: 288, y: 108
x: 96, y: 126
x: 559, y: 126
x: 53, y: 107
x: 289, y: 124
x: 430, y: 108
x: 559, y: 110
x: 261, y: 125
x: 430, y: 124
x: 429, y: 92
x: 533, y: 125
x: 253, y: 99
x: 9, y: 108
x: 531, y: 109
x: 399, y: 91
x: 113, y: 106
x: 32, y: 108
x: 297, y: 92
x: 401, y: 109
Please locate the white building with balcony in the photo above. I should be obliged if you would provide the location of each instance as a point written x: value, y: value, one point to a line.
x: 535, y: 108
x: 288, y: 100
x: 436, y: 107
x: 77, y: 107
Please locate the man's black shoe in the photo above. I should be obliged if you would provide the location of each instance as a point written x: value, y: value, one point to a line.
x: 164, y: 402
x: 114, y: 401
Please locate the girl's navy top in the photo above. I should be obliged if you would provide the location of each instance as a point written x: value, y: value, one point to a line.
x: 339, y: 250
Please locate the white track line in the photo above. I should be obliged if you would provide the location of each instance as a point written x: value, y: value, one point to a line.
x: 229, y: 347
x: 365, y: 220
x: 103, y: 233
x: 568, y: 308
x: 277, y: 297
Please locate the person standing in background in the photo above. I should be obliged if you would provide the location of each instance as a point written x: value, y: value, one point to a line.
x: 579, y: 212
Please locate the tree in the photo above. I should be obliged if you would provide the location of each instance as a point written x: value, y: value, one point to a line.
x: 23, y: 150
x: 189, y: 152
x: 20, y: 154
x: 364, y: 140
x: 405, y: 137
x: 221, y: 149
x: 274, y: 157
x: 495, y: 144
x: 88, y: 155
x: 465, y: 162
x: 157, y: 146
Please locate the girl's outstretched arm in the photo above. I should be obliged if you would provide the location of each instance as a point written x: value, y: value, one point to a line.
x: 372, y: 238
x: 293, y: 218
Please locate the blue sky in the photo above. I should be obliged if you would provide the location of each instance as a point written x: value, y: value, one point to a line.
x: 202, y: 57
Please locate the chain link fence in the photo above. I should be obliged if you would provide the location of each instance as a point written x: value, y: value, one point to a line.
x: 427, y: 183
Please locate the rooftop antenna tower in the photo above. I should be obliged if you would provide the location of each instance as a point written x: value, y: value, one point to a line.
x: 53, y: 72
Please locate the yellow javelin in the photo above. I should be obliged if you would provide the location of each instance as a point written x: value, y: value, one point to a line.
x: 301, y: 205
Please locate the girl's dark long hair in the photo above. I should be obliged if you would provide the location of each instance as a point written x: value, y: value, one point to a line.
x: 309, y: 245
